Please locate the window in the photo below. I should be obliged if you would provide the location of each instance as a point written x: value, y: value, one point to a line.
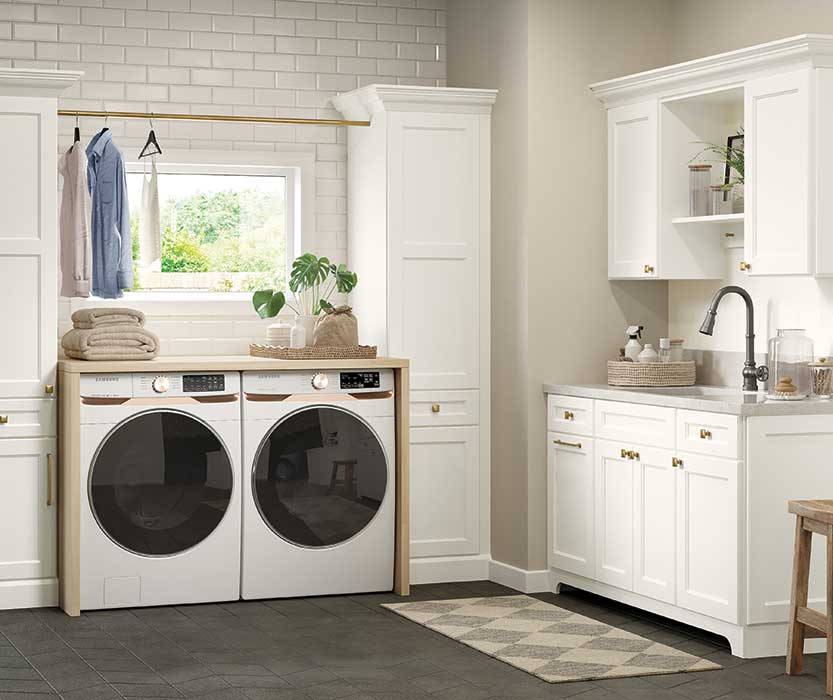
x: 224, y: 228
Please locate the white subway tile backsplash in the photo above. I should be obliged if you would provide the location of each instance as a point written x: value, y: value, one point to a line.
x: 259, y: 8
x: 344, y: 13
x: 148, y: 56
x: 294, y: 45
x: 20, y: 13
x: 146, y: 19
x: 102, y: 17
x: 260, y: 43
x: 215, y: 6
x: 425, y: 18
x: 190, y: 57
x: 336, y: 47
x: 377, y: 49
x: 125, y: 37
x: 230, y: 23
x: 94, y: 53
x: 274, y: 26
x: 189, y: 21
x: 233, y: 96
x: 233, y: 59
x: 377, y: 15
x: 276, y: 62
x: 169, y: 38
x: 212, y: 40
x: 35, y: 32
x: 287, y: 8
x: 52, y: 13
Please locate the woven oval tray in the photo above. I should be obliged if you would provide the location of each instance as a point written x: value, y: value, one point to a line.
x: 359, y: 352
x: 651, y: 373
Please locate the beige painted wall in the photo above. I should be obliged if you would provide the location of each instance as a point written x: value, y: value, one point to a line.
x: 556, y: 317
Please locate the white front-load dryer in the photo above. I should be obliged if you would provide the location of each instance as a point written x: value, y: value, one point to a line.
x: 159, y: 489
x: 319, y: 483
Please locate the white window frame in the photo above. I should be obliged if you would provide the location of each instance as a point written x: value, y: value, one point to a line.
x: 297, y: 164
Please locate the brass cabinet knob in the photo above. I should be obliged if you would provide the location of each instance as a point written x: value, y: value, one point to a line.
x: 633, y: 455
x: 744, y: 266
x: 568, y: 415
x: 648, y: 269
x: 4, y: 420
x: 435, y: 408
x: 49, y: 389
x: 624, y: 453
x: 705, y: 434
x: 676, y: 462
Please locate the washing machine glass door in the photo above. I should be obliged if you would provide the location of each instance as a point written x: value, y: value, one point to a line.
x: 319, y: 476
x: 160, y: 483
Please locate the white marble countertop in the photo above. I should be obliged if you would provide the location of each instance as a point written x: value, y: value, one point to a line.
x: 714, y: 399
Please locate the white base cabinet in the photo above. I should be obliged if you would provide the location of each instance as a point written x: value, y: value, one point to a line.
x: 684, y: 513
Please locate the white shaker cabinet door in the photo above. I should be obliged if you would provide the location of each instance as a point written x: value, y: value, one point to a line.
x: 654, y: 511
x: 632, y: 191
x: 707, y: 536
x: 27, y: 509
x: 445, y: 491
x: 28, y: 248
x: 614, y: 515
x: 571, y: 503
x: 778, y: 231
x: 436, y: 208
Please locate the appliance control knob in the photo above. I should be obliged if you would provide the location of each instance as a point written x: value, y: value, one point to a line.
x: 320, y: 380
x: 161, y: 384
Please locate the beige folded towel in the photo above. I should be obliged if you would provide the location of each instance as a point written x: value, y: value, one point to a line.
x: 107, y: 315
x: 111, y: 342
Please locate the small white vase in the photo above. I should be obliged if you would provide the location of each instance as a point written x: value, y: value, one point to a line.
x: 307, y: 323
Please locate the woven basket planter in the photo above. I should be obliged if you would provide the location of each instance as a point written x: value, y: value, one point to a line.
x: 651, y: 373
x: 358, y: 352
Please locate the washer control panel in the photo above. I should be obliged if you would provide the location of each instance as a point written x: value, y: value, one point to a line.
x: 360, y: 380
x: 159, y: 384
x: 201, y: 383
x: 317, y: 382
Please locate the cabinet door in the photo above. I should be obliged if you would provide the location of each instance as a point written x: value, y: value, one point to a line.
x: 707, y: 536
x: 28, y: 247
x: 570, y: 503
x: 614, y: 516
x: 445, y: 491
x: 633, y: 198
x: 654, y: 522
x: 27, y: 511
x: 778, y: 230
x: 437, y: 213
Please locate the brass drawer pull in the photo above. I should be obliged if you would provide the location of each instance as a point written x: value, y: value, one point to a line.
x: 676, y: 462
x: 568, y: 415
x: 435, y: 408
x: 705, y: 434
x: 49, y: 389
x: 577, y: 445
x: 648, y: 269
x: 4, y: 420
x: 623, y: 453
x: 50, y: 463
x: 633, y: 455
x: 745, y: 267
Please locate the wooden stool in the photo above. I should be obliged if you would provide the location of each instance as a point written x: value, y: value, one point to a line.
x: 811, y: 516
x: 349, y: 475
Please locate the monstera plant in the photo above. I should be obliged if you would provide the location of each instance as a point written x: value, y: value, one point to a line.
x: 312, y: 281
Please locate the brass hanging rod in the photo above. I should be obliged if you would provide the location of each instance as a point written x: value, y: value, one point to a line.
x: 208, y: 118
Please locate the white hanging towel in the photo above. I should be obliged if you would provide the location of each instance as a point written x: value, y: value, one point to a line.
x: 150, y: 236
x: 76, y: 253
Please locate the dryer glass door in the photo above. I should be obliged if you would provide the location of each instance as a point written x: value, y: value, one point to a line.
x: 160, y: 483
x: 320, y: 476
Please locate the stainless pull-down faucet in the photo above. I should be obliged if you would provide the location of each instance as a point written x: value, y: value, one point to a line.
x: 751, y: 374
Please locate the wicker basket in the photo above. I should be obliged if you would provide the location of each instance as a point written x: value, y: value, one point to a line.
x: 359, y: 352
x: 651, y: 373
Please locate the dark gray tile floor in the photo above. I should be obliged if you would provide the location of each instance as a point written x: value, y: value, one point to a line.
x: 340, y: 647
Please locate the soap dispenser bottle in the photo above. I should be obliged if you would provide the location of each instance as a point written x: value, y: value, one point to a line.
x: 633, y: 346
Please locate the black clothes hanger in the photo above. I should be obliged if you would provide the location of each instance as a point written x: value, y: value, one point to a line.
x: 77, y: 136
x: 151, y: 147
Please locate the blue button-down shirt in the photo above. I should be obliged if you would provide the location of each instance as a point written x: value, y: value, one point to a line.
x: 110, y: 226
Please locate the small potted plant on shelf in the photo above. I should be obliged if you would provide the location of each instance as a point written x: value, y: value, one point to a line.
x: 312, y: 281
x: 732, y: 157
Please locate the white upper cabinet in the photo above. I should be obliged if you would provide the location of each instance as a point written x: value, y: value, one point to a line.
x: 780, y: 94
x: 632, y: 190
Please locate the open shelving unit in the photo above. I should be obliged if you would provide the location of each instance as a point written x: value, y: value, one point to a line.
x: 716, y: 219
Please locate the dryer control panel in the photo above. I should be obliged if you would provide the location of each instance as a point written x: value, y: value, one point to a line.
x: 318, y: 382
x: 159, y: 384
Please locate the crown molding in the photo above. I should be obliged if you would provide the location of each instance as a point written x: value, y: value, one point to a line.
x: 363, y: 103
x: 802, y: 50
x: 24, y: 82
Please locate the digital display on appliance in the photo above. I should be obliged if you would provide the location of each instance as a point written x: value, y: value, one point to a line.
x: 203, y: 382
x: 360, y: 380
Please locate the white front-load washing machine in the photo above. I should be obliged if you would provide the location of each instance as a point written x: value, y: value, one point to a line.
x: 160, y: 489
x: 319, y: 483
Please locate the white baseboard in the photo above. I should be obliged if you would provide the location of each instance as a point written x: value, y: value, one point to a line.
x: 519, y: 579
x: 38, y: 593
x: 449, y: 569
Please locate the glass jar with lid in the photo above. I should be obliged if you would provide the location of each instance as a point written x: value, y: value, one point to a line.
x: 699, y: 180
x: 789, y: 360
x: 822, y: 374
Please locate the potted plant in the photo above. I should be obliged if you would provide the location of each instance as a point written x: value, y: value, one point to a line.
x: 312, y: 281
x: 732, y: 156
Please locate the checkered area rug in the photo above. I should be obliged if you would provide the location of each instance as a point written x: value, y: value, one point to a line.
x: 547, y: 641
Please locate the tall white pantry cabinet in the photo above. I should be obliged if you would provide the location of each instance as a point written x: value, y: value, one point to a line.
x: 419, y: 238
x: 28, y: 353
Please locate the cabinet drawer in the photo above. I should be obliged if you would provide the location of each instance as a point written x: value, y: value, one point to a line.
x: 442, y: 408
x: 714, y: 434
x: 23, y: 418
x: 570, y: 414
x: 631, y: 423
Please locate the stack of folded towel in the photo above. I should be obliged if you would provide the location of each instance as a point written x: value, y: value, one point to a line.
x: 109, y: 333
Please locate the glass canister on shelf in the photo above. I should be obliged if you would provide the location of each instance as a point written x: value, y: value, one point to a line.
x: 721, y: 199
x: 699, y: 181
x: 789, y: 360
x: 677, y: 347
x: 822, y: 375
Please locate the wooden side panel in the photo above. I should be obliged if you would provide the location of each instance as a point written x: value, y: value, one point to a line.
x: 69, y: 470
x: 402, y: 549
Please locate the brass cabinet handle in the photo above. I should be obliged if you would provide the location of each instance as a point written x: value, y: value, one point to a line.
x: 4, y: 420
x: 676, y: 462
x: 50, y: 463
x: 633, y: 455
x: 705, y: 434
x: 624, y: 453
x: 577, y: 445
x: 744, y: 266
x: 648, y: 269
x: 435, y: 408
x: 49, y: 389
x: 568, y: 415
